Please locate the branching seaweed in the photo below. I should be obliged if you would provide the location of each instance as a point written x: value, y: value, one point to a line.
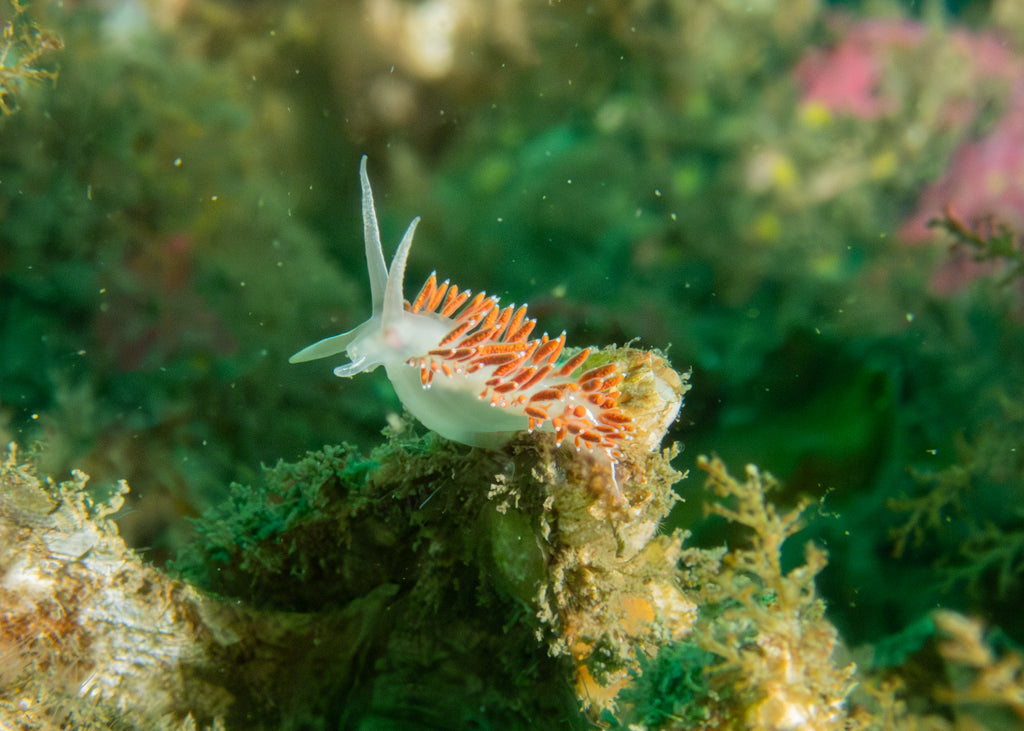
x: 761, y: 653
x: 980, y: 676
x: 771, y: 634
x: 987, y: 471
x: 928, y: 511
x: 22, y: 49
x: 989, y: 240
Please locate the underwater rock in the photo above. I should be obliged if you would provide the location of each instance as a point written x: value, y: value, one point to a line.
x: 90, y: 634
x: 475, y: 586
x: 431, y: 585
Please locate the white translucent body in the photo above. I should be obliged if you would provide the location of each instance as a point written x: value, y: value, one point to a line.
x: 451, y: 406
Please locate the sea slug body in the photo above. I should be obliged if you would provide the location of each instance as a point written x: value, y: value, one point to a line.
x: 467, y: 368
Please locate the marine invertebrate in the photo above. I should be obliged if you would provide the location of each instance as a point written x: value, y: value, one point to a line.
x: 467, y: 368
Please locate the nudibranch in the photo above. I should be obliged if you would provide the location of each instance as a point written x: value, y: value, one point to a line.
x: 467, y: 368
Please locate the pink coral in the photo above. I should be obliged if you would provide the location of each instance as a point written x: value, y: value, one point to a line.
x: 843, y: 79
x: 984, y: 182
x: 847, y: 78
x: 985, y: 178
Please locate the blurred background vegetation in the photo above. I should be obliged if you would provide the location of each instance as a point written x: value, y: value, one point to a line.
x: 745, y: 185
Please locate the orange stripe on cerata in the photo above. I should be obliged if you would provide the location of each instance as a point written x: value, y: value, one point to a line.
x: 573, y: 363
x: 522, y: 374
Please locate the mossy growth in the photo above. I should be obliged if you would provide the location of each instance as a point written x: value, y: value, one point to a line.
x: 415, y: 529
x: 262, y: 543
x: 673, y: 686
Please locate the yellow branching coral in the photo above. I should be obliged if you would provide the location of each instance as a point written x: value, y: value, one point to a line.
x: 771, y: 635
x: 979, y: 677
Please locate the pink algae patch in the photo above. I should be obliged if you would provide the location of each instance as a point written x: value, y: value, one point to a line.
x: 847, y: 77
x: 983, y: 183
x: 985, y: 178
